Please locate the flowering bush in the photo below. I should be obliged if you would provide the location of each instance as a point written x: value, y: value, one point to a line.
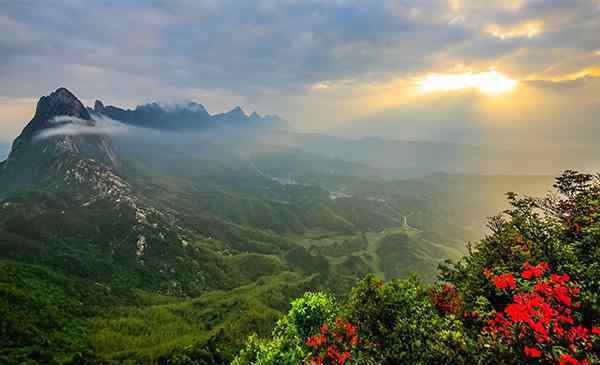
x: 400, y: 325
x: 287, y: 345
x: 542, y: 321
x: 332, y: 346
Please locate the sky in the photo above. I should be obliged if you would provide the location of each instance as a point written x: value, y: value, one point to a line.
x: 509, y: 72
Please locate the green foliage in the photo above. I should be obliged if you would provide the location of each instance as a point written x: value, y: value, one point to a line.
x: 397, y: 324
x: 401, y: 326
x: 307, y: 315
x: 216, y: 323
x: 41, y: 320
x: 286, y: 347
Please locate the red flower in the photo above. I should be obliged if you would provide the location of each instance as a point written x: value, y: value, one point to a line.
x: 350, y: 330
x: 332, y: 345
x: 566, y: 359
x: 504, y: 281
x: 543, y: 313
x: 341, y: 358
x: 316, y: 341
x: 532, y: 352
x: 560, y: 279
x: 517, y: 312
x: 534, y: 271
x: 562, y: 293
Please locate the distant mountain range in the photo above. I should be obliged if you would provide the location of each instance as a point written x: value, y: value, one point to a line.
x: 188, y: 117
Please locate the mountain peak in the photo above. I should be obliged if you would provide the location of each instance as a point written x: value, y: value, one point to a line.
x: 60, y: 102
x: 61, y: 125
x: 99, y: 107
x: 63, y: 92
x: 238, y: 112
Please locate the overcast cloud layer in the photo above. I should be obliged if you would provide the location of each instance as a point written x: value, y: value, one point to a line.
x: 342, y: 66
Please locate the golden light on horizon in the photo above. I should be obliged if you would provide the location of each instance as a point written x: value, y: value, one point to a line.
x: 490, y: 82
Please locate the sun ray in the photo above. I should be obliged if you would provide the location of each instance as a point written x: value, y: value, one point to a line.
x: 490, y: 82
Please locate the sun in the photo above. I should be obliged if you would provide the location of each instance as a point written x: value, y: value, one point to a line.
x: 490, y: 82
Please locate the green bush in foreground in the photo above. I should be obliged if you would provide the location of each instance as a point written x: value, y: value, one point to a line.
x: 305, y: 317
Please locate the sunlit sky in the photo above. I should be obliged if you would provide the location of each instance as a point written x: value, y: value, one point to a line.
x: 453, y: 70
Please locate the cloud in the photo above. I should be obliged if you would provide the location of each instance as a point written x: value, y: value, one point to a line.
x: 316, y: 62
x: 65, y: 125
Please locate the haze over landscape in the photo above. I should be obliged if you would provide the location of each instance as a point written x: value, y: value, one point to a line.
x: 299, y: 182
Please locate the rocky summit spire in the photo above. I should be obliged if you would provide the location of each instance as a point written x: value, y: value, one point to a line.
x: 60, y: 103
x: 61, y: 126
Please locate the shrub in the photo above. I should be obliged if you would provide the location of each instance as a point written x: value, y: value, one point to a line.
x: 399, y: 325
x: 287, y: 347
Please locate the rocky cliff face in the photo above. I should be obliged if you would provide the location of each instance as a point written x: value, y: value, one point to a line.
x: 61, y: 132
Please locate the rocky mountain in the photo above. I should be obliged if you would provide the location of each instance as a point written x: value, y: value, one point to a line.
x: 61, y: 134
x: 65, y: 156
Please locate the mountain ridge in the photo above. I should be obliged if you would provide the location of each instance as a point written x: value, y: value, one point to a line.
x: 191, y: 116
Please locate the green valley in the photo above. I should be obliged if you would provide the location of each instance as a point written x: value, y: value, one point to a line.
x: 159, y: 248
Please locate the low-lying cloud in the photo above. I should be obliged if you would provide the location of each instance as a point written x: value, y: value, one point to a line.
x: 65, y: 125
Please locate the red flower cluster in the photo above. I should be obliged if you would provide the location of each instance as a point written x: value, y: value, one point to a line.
x: 332, y: 346
x: 446, y: 299
x: 504, y: 281
x: 530, y: 272
x: 541, y: 316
